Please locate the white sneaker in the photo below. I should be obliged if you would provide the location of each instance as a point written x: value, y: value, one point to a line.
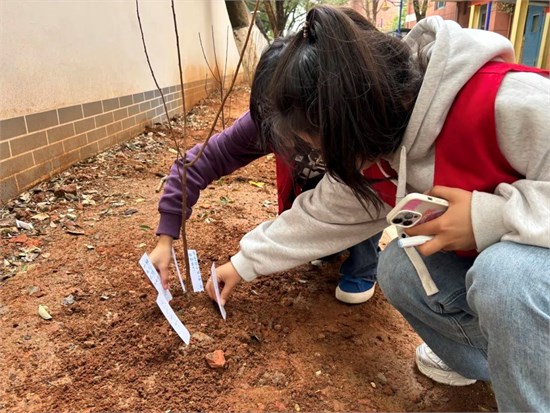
x: 433, y: 367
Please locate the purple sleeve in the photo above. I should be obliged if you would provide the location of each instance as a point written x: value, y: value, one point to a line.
x: 227, y: 151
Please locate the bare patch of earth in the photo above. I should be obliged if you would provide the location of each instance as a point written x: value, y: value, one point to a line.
x: 289, y: 345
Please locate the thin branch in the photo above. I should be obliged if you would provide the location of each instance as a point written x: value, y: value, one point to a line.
x: 205, y: 58
x: 181, y: 69
x: 182, y: 174
x: 154, y: 77
x: 225, y: 69
x: 220, y: 80
x: 199, y: 154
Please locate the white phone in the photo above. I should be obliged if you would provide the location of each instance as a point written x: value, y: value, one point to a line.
x: 416, y: 209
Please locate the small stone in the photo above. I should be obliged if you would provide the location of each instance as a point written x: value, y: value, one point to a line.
x: 382, y: 378
x: 89, y: 344
x: 373, y: 384
x: 216, y: 359
x: 280, y: 406
x: 65, y: 189
x: 33, y: 289
x: 199, y: 336
x: 68, y: 300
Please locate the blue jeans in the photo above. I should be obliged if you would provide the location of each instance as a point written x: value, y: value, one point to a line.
x: 490, y: 319
x: 362, y: 261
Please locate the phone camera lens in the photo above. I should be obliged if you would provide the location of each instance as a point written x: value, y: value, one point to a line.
x: 397, y: 220
x: 408, y: 215
x: 407, y: 222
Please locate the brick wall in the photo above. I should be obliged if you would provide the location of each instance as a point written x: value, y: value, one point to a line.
x: 36, y: 146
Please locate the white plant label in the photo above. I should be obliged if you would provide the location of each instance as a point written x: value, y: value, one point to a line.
x: 178, y: 269
x: 217, y: 291
x: 173, y: 319
x: 154, y: 276
x: 163, y: 299
x: 195, y: 271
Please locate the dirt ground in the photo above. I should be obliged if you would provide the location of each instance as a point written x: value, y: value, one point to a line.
x: 289, y: 345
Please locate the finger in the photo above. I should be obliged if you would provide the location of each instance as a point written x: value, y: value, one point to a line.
x: 440, y: 191
x: 210, y: 290
x: 227, y: 288
x: 431, y: 247
x: 428, y: 228
x: 164, y: 277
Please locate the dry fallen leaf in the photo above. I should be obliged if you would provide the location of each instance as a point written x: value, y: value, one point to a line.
x: 75, y: 232
x: 258, y: 184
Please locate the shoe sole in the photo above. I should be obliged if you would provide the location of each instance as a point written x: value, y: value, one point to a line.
x: 354, y: 298
x: 444, y: 377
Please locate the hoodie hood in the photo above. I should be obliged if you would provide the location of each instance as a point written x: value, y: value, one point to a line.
x: 454, y: 54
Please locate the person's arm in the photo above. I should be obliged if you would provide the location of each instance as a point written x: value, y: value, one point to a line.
x: 225, y: 152
x: 519, y: 211
x: 322, y: 221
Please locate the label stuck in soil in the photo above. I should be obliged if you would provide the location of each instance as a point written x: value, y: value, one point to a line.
x: 217, y: 291
x: 195, y: 271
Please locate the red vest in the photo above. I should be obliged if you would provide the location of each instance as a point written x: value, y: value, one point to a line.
x: 467, y: 154
x: 286, y: 190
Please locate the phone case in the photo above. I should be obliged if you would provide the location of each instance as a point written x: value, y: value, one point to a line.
x: 416, y: 209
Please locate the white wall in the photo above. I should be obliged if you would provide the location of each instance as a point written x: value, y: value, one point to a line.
x: 58, y: 53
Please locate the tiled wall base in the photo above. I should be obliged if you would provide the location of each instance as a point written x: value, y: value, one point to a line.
x: 37, y: 146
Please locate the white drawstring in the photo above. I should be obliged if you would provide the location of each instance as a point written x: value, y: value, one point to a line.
x: 425, y: 278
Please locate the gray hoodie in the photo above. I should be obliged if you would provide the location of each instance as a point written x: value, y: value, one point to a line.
x: 329, y: 218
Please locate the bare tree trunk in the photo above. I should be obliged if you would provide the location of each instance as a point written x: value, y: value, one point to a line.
x: 281, y: 17
x: 238, y: 13
x: 272, y: 16
x: 420, y: 9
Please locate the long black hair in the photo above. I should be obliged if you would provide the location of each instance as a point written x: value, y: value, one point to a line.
x: 260, y: 105
x: 351, y: 89
x: 260, y: 100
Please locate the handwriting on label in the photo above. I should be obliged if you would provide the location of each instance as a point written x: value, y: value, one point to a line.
x: 194, y: 269
x: 153, y: 276
x: 173, y: 319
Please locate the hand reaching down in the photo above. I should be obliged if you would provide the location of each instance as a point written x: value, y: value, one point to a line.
x: 161, y: 257
x: 227, y: 278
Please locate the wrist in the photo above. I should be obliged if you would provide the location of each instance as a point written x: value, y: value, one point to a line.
x: 165, y: 240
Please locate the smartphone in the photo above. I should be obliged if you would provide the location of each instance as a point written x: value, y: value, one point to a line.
x: 416, y: 209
